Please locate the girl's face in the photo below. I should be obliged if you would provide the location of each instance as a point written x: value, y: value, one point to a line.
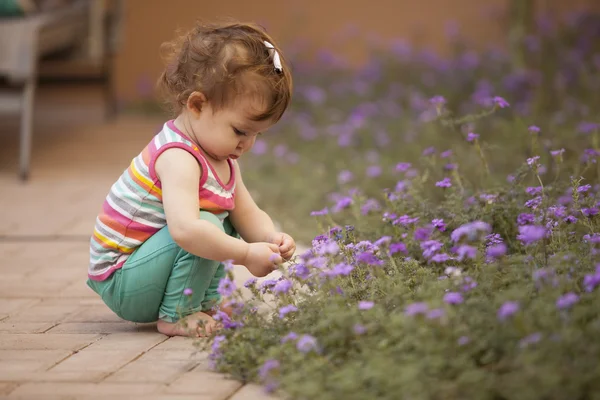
x: 228, y: 132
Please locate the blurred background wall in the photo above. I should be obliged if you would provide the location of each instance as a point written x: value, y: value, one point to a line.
x: 315, y: 24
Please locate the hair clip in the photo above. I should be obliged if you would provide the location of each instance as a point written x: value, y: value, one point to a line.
x: 276, y: 59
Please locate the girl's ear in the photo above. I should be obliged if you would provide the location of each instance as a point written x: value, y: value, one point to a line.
x: 196, y: 102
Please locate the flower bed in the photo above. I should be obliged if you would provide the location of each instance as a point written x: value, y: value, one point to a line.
x: 458, y: 255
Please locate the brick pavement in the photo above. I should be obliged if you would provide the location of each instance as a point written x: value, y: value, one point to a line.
x: 57, y: 339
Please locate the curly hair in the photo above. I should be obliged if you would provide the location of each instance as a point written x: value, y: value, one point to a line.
x: 223, y: 60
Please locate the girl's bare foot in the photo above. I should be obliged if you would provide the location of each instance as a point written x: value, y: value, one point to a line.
x: 199, y: 324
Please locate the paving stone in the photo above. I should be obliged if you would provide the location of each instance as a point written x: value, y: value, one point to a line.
x: 201, y: 382
x: 159, y: 366
x: 18, y: 365
x: 139, y: 341
x: 252, y: 391
x: 7, y: 387
x: 25, y: 327
x: 10, y: 306
x: 20, y: 288
x: 93, y: 313
x: 90, y: 364
x: 79, y: 288
x: 18, y: 341
x: 48, y: 310
x: 97, y: 327
x: 82, y: 390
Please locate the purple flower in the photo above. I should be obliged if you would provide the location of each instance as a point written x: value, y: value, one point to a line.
x: 533, y: 129
x: 398, y: 247
x: 403, y: 166
x: 289, y: 337
x: 342, y: 203
x: 584, y: 188
x: 283, y: 286
x: 496, y: 251
x: 444, y: 183
x: 260, y: 147
x: 525, y: 219
x: 466, y: 251
x: 446, y: 154
x: 359, y: 329
x: 266, y: 368
x: 507, y: 309
x: 187, y: 292
x: 368, y: 258
x: 250, y: 282
x: 226, y: 287
x: 530, y: 339
x: 463, y: 340
x: 439, y: 224
x: 531, y: 233
x: 500, y: 102
x: 430, y: 247
x: 422, y: 234
x: 382, y: 241
x: 365, y: 305
x: 416, y: 308
x: 556, y: 153
x: 438, y: 101
x: 470, y: 230
x: 435, y: 313
x: 440, y: 258
x: 534, y: 190
x: 345, y: 177
x: 307, y: 343
x: 373, y: 171
x: 567, y: 301
x: 533, y: 161
x: 471, y: 137
x: 453, y: 298
x: 429, y: 151
x: 283, y: 311
x: 324, y: 211
x: 589, y: 212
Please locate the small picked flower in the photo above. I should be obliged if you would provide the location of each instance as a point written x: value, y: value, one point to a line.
x: 187, y: 291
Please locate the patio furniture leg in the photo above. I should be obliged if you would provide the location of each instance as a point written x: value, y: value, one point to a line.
x: 26, y: 129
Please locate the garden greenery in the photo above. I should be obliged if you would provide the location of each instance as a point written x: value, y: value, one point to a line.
x: 458, y: 251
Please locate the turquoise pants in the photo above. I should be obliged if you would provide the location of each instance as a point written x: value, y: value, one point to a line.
x: 151, y: 283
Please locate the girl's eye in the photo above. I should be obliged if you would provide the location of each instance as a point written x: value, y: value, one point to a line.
x: 238, y: 132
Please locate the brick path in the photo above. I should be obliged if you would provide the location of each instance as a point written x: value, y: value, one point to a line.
x: 57, y: 339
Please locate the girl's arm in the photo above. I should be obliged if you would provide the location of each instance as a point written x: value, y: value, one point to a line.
x: 179, y: 173
x: 252, y: 223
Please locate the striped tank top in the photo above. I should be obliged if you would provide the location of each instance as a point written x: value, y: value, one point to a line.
x: 133, y: 210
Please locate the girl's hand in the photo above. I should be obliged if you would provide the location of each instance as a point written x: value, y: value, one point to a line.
x: 262, y: 258
x: 287, y: 245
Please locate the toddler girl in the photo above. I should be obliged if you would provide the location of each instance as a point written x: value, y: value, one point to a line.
x: 174, y: 215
